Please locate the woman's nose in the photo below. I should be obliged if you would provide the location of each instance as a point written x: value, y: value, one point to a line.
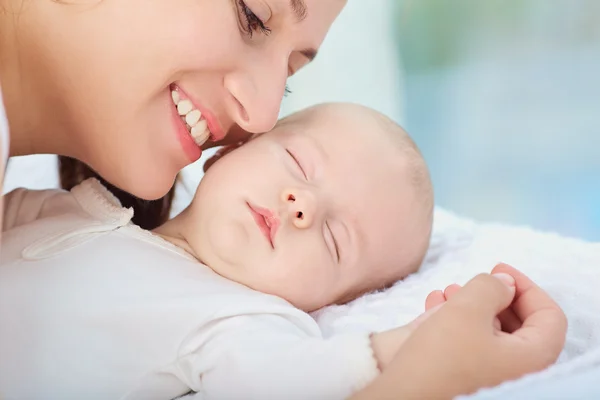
x: 257, y: 90
x: 300, y: 206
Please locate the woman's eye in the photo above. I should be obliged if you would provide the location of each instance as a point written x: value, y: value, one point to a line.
x: 297, y: 163
x: 250, y: 21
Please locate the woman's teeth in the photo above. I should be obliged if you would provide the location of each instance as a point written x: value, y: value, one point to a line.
x: 193, y: 119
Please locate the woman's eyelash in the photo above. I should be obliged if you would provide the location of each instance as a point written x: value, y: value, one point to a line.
x: 252, y: 23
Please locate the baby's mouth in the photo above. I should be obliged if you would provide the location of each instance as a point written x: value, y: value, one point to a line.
x: 267, y: 222
x: 191, y: 116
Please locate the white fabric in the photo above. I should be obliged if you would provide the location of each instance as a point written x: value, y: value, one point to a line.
x: 461, y: 248
x: 93, y: 307
x: 569, y: 269
x: 578, y: 367
x: 566, y: 267
x: 4, y: 137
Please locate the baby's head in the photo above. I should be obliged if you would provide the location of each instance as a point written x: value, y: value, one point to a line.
x: 334, y: 202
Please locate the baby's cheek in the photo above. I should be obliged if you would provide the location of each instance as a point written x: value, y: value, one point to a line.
x: 309, y: 281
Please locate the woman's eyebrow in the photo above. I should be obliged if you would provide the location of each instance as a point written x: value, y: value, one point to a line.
x: 299, y: 9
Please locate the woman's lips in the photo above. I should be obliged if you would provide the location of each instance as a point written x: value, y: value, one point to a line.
x: 216, y: 132
x: 267, y: 222
x: 191, y: 149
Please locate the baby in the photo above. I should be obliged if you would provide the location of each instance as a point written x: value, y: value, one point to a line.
x: 335, y: 202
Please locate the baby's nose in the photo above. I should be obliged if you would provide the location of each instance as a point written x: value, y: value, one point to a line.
x: 301, y: 207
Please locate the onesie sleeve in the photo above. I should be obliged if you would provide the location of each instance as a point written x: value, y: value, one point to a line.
x: 262, y: 357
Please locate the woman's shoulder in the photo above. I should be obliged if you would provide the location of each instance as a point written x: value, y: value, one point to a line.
x: 40, y: 223
x: 88, y: 200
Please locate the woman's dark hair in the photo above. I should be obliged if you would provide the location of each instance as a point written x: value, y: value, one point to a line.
x: 146, y: 214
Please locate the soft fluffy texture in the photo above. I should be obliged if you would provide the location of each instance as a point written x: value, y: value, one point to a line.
x: 569, y: 269
x: 461, y: 248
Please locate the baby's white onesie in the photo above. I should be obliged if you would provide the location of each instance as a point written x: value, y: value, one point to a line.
x: 93, y: 307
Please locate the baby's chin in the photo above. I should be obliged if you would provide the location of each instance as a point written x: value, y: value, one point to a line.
x: 307, y: 303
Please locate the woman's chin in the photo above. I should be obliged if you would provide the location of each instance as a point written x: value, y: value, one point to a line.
x: 147, y: 186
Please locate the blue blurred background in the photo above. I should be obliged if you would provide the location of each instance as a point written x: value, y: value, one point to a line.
x: 502, y: 96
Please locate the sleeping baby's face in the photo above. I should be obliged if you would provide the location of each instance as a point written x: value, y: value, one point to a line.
x: 333, y: 202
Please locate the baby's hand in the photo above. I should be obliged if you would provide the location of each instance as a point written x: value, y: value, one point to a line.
x: 386, y: 344
x: 507, y: 321
x: 455, y: 352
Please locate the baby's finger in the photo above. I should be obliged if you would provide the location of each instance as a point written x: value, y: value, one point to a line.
x: 434, y: 299
x: 451, y: 290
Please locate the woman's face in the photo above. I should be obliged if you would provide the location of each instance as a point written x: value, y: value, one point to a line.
x: 117, y: 63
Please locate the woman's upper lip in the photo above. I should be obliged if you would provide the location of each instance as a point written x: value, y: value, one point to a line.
x: 211, y: 120
x: 266, y: 219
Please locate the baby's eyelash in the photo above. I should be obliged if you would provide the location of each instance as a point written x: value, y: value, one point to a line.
x: 335, y: 244
x: 297, y: 163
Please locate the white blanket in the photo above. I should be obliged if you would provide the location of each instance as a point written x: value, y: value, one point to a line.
x: 569, y: 269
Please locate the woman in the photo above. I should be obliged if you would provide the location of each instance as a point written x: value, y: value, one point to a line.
x: 110, y: 83
x: 115, y: 111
